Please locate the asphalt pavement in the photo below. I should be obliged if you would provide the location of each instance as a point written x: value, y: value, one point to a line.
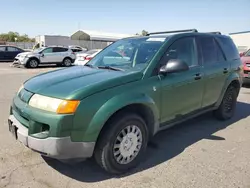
x: 200, y: 153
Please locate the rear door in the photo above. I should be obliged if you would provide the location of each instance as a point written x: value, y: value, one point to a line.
x: 12, y: 52
x: 59, y: 54
x: 216, y: 68
x: 3, y: 53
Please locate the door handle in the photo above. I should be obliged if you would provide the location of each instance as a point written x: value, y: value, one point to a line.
x: 225, y: 70
x: 197, y: 76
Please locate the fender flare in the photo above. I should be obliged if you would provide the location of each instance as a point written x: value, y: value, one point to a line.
x: 114, y: 104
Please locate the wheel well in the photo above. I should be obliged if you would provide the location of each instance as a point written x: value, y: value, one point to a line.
x: 143, y: 111
x: 34, y: 58
x: 236, y: 84
x: 67, y: 58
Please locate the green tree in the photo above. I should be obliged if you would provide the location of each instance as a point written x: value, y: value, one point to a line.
x: 10, y: 37
x: 143, y: 33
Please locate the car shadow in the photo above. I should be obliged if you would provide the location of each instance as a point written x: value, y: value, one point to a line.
x: 165, y: 146
x: 41, y: 66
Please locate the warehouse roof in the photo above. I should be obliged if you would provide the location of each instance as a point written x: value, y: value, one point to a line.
x: 242, y: 32
x: 97, y: 35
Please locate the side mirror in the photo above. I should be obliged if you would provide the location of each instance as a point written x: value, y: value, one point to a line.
x: 42, y: 55
x: 173, y: 66
x: 241, y: 54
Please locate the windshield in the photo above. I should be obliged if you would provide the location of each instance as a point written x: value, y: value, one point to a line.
x: 247, y: 53
x: 38, y: 50
x: 132, y: 53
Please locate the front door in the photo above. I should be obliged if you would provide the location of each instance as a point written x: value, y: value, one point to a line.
x: 216, y: 69
x: 182, y: 92
x: 47, y: 56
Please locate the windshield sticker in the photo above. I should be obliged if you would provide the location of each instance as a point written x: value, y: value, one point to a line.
x: 156, y: 39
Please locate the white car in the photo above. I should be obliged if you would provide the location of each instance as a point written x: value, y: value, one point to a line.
x: 83, y: 58
x: 46, y: 55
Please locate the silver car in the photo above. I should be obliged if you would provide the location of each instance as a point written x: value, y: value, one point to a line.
x: 46, y: 55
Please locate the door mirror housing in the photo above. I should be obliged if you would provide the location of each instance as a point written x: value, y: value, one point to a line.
x: 42, y: 54
x: 173, y: 66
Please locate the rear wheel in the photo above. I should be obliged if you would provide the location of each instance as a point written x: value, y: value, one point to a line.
x: 228, y: 105
x: 122, y: 144
x: 32, y: 63
x: 67, y: 62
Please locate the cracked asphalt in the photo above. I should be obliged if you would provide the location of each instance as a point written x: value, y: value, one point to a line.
x: 202, y: 152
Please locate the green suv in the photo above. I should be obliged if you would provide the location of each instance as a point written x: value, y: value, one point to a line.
x: 113, y: 106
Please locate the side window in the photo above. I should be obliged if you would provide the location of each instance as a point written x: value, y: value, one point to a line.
x: 12, y: 49
x: 208, y: 51
x: 220, y: 56
x: 183, y: 49
x: 229, y: 48
x: 47, y: 50
x: 58, y: 49
x: 2, y: 48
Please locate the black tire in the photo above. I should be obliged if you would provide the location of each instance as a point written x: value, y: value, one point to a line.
x: 32, y: 63
x: 227, y: 107
x: 105, y: 149
x: 67, y: 62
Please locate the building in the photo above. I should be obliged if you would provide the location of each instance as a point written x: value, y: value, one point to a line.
x: 84, y: 38
x: 241, y: 40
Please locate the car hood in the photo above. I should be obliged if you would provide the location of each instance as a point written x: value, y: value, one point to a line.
x: 245, y: 59
x: 78, y: 82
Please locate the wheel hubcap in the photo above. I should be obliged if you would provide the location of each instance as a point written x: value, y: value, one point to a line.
x: 228, y: 104
x: 33, y: 63
x: 67, y: 62
x: 128, y: 144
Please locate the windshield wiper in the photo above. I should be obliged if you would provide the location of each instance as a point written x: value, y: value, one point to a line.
x: 110, y: 68
x: 89, y: 65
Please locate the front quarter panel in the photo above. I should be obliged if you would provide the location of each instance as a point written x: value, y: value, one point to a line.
x: 95, y: 110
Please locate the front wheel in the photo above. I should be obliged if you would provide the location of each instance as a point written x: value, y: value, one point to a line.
x: 32, y: 63
x: 228, y: 105
x: 122, y: 144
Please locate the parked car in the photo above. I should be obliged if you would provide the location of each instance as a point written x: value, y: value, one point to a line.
x: 8, y: 53
x: 84, y: 57
x: 111, y: 107
x: 245, y: 58
x: 79, y: 48
x: 46, y: 55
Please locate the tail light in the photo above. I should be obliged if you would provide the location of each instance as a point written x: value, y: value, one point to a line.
x: 88, y: 58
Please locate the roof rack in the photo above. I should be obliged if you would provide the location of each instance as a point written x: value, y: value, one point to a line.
x: 176, y: 31
x: 215, y: 32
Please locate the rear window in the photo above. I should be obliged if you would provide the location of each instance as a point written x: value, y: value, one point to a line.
x: 229, y: 48
x: 58, y: 49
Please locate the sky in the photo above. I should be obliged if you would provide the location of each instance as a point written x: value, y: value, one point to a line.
x: 64, y: 17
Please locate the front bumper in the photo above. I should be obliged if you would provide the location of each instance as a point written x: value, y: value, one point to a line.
x: 21, y: 61
x: 59, y: 148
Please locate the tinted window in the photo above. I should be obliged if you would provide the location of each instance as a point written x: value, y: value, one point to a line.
x: 208, y: 49
x: 58, y: 49
x: 229, y: 48
x: 47, y: 50
x: 12, y: 49
x: 2, y: 48
x: 220, y: 56
x: 76, y: 50
x: 183, y: 49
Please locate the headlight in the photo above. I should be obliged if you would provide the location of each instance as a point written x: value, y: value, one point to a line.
x: 20, y: 89
x: 58, y: 106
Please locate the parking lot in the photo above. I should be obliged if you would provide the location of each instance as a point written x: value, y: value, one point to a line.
x: 203, y: 152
